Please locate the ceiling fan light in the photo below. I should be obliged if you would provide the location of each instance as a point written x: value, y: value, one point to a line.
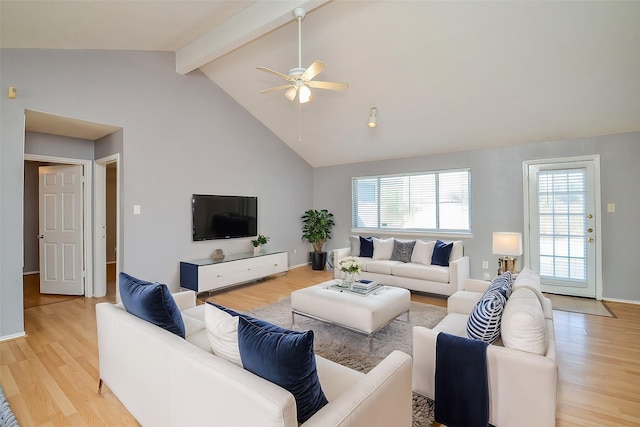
x: 305, y: 94
x: 291, y: 93
x: 373, y: 121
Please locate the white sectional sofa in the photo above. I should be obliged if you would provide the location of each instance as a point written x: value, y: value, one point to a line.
x: 521, y: 365
x: 417, y: 273
x: 165, y: 380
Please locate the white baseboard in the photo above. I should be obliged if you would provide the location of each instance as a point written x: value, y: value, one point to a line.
x: 13, y: 336
x: 626, y: 301
x: 299, y: 265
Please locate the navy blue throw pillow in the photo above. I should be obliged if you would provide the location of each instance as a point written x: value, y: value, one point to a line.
x: 441, y: 253
x: 366, y: 247
x: 152, y: 302
x: 285, y: 359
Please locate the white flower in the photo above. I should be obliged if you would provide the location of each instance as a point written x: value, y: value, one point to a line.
x: 350, y: 265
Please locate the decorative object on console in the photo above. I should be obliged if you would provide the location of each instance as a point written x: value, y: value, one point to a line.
x: 258, y: 243
x: 508, y: 245
x: 316, y: 229
x: 373, y: 120
x: 217, y: 255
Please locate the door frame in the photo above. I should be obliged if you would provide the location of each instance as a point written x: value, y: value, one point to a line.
x: 87, y: 211
x: 597, y: 209
x: 100, y: 255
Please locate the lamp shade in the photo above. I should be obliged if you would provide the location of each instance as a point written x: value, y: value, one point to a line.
x: 507, y: 243
x: 304, y: 95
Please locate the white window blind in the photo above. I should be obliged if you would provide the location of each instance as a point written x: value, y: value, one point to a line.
x: 563, y: 242
x: 428, y: 201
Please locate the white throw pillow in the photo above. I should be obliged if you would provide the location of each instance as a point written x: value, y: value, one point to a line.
x: 222, y: 331
x: 422, y: 252
x: 355, y: 245
x: 382, y: 249
x: 529, y: 279
x: 523, y: 323
x: 457, y: 251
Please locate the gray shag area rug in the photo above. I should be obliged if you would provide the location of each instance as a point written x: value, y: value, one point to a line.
x: 352, y: 349
x: 7, y: 419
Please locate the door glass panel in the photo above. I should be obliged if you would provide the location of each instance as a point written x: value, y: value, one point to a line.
x: 561, y: 216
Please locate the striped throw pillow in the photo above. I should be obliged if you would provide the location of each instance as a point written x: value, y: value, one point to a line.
x: 503, y: 284
x: 484, y: 320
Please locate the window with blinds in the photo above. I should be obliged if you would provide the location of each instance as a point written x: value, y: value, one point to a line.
x: 563, y: 215
x: 427, y: 201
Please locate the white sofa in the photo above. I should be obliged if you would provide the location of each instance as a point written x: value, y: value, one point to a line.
x: 165, y: 380
x: 522, y: 384
x: 417, y: 275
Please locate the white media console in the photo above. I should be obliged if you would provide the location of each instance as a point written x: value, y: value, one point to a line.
x: 203, y: 275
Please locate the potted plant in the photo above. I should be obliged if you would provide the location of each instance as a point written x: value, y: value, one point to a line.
x: 316, y: 229
x: 258, y: 242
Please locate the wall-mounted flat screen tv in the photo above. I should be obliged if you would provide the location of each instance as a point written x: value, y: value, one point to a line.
x: 223, y: 217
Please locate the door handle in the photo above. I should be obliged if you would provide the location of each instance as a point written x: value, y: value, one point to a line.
x: 590, y: 239
x: 590, y: 230
x: 40, y: 236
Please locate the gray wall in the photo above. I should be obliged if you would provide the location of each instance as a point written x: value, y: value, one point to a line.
x: 181, y: 135
x: 497, y: 198
x: 58, y: 146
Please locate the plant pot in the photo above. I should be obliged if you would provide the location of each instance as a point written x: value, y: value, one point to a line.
x: 257, y: 249
x: 318, y: 260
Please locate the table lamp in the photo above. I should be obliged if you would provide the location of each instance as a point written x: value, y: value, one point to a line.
x: 508, y: 245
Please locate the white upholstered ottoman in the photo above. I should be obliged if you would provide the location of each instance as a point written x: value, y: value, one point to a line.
x: 365, y: 314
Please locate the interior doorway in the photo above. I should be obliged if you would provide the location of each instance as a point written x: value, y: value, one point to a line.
x: 68, y: 137
x: 107, y: 225
x: 86, y: 215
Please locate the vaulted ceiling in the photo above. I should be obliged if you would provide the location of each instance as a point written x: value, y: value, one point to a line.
x: 444, y: 75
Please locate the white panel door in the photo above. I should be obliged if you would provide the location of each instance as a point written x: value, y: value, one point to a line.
x: 61, y: 228
x: 563, y: 226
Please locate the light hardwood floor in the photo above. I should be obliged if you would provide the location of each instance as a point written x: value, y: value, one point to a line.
x: 50, y: 377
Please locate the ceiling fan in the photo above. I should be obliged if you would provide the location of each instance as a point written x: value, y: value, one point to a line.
x: 300, y: 80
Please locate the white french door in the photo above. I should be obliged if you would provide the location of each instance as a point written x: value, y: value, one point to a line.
x: 563, y: 224
x: 61, y: 230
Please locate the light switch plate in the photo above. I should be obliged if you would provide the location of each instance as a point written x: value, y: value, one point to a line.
x: 611, y: 207
x: 136, y: 209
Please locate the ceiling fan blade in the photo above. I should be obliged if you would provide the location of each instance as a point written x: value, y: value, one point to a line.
x: 275, y: 88
x: 314, y: 69
x: 277, y: 73
x: 329, y: 85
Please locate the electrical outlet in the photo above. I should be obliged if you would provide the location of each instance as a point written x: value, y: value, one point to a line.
x: 485, y: 264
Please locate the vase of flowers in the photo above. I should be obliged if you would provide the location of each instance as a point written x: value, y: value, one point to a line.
x: 351, y: 267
